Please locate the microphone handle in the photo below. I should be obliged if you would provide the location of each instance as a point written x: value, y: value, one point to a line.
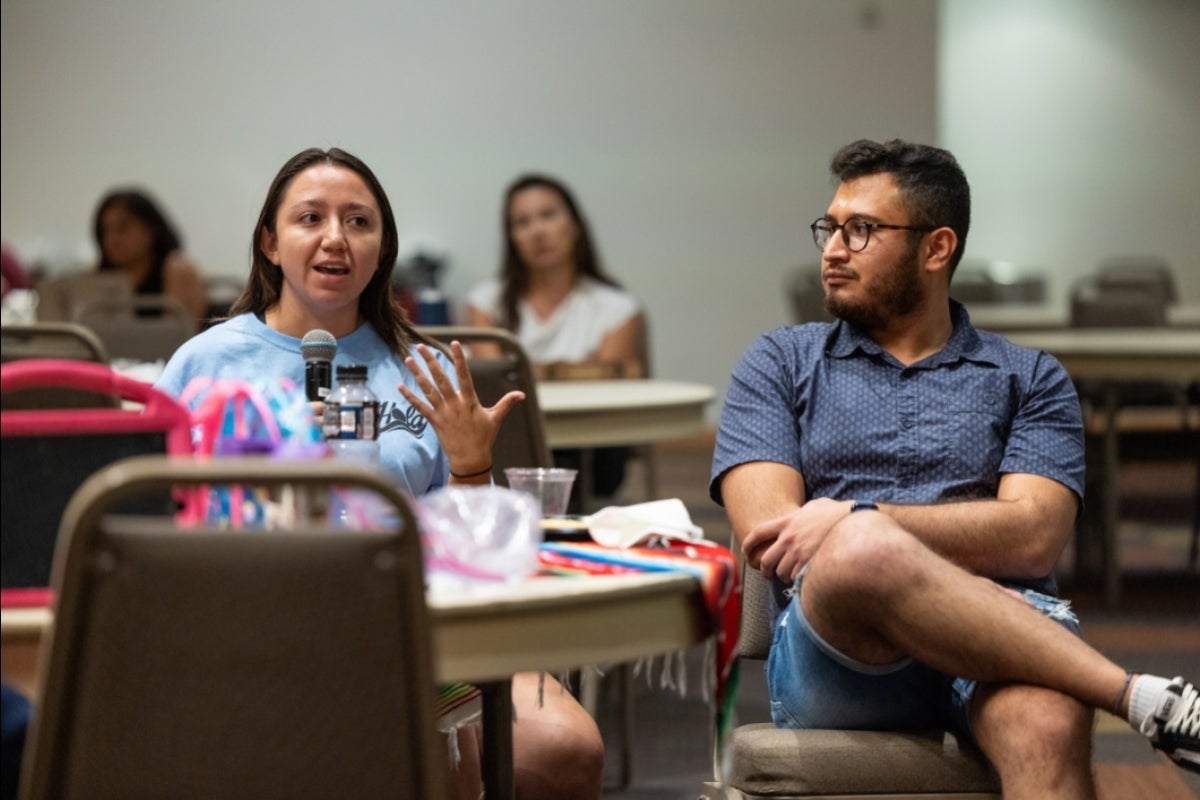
x: 318, y: 379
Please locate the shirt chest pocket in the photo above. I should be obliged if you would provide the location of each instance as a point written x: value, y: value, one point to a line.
x: 968, y: 430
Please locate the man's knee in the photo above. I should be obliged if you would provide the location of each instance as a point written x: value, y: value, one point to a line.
x: 1027, y: 725
x: 856, y: 548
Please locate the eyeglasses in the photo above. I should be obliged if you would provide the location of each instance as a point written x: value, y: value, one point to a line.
x: 856, y: 232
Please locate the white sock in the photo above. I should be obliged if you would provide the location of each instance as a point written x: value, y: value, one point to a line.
x: 1144, y: 696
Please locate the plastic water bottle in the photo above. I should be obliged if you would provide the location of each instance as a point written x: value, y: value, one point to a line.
x: 361, y: 509
x: 351, y: 410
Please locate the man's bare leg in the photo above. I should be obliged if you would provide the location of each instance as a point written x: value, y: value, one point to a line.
x: 877, y: 594
x: 1039, y: 741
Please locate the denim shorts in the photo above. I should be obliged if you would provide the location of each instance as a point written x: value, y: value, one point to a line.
x: 812, y: 685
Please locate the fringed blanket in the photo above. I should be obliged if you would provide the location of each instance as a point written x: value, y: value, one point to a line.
x: 713, y: 567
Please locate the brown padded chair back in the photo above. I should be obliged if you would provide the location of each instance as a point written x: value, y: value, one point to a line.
x: 215, y: 663
x: 60, y: 296
x: 522, y: 438
x: 139, y: 328
x: 53, y: 340
x: 762, y: 761
x: 1093, y: 307
x: 1151, y: 274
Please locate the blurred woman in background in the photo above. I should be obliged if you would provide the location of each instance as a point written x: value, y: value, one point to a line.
x: 135, y: 239
x: 572, y: 319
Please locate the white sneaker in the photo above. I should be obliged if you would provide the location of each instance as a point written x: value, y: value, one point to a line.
x: 1174, y: 727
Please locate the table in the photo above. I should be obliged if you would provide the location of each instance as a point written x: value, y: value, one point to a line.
x: 621, y: 412
x: 555, y: 624
x: 587, y: 414
x: 486, y: 635
x: 1005, y: 317
x: 1112, y: 357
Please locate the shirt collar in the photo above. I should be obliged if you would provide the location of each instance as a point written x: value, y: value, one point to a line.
x: 964, y: 344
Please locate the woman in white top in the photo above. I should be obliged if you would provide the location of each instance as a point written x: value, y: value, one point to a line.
x: 570, y: 317
x: 552, y: 292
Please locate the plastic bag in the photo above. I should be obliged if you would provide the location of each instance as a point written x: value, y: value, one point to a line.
x: 479, y: 533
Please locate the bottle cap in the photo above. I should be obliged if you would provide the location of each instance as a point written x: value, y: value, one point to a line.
x: 351, y: 371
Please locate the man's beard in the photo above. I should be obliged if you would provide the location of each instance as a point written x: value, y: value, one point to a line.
x: 898, y: 293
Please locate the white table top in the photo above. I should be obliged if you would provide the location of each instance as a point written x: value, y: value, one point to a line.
x: 1003, y: 317
x: 492, y: 632
x: 1166, y: 354
x: 621, y: 412
x: 561, y: 623
x: 566, y: 397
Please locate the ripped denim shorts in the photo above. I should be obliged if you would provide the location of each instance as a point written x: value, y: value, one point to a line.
x: 812, y: 685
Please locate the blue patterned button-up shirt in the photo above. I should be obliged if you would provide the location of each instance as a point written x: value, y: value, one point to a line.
x: 856, y: 423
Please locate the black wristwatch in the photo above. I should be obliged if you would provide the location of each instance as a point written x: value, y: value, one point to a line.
x: 863, y: 505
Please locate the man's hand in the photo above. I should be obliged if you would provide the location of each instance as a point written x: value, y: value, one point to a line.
x: 780, y: 547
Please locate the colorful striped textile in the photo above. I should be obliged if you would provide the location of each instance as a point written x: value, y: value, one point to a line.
x: 457, y: 704
x: 714, y: 568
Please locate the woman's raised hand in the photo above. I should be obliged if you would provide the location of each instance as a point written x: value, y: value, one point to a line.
x: 466, y: 429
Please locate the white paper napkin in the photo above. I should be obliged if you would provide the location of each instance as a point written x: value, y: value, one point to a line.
x: 627, y: 526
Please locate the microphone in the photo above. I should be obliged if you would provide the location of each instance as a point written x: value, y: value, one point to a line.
x: 318, y: 348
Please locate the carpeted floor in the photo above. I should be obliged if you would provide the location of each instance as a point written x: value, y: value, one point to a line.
x: 1157, y: 629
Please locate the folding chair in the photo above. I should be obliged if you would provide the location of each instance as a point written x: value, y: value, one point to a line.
x: 60, y: 296
x: 65, y: 340
x: 49, y: 452
x: 51, y: 340
x: 195, y: 663
x: 769, y: 762
x: 137, y: 328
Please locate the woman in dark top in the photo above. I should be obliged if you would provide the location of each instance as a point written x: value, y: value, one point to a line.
x: 136, y: 239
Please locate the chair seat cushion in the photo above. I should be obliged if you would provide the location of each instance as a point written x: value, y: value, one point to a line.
x: 765, y: 761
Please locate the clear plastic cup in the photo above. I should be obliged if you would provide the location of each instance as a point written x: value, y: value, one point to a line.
x: 552, y: 487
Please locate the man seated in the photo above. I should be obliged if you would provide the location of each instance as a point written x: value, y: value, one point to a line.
x: 909, y: 483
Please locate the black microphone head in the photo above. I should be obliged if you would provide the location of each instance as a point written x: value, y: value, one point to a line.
x: 318, y: 345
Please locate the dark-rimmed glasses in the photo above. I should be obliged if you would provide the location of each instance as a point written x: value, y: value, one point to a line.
x: 855, y: 232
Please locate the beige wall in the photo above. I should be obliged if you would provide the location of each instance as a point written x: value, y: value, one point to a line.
x: 695, y: 132
x: 1078, y: 122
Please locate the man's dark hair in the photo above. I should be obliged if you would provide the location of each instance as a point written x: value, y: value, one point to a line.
x: 933, y: 187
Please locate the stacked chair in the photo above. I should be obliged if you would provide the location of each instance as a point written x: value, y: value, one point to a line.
x: 1135, y: 292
